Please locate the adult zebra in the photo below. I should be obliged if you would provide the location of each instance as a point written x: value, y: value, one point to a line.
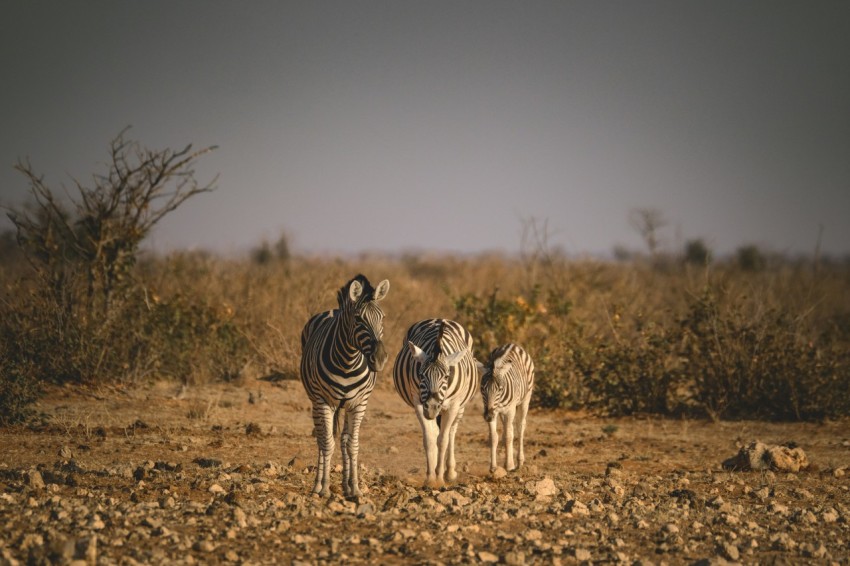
x: 341, y: 353
x: 507, y: 381
x: 435, y: 374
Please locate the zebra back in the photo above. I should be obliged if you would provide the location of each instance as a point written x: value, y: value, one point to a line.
x: 436, y: 337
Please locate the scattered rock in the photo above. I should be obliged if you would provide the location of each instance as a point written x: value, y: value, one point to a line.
x: 452, y: 498
x: 34, y: 479
x: 759, y: 456
x: 499, y: 473
x: 544, y: 488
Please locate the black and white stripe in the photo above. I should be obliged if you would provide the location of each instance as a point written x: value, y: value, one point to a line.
x: 507, y: 381
x: 435, y: 374
x: 342, y: 351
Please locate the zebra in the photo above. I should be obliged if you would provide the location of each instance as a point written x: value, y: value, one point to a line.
x: 435, y: 374
x: 341, y: 352
x: 507, y: 381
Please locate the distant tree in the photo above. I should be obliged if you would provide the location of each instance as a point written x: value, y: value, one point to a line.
x: 696, y: 252
x: 750, y: 258
x: 282, y: 249
x: 265, y: 252
x: 622, y: 253
x: 262, y: 254
x: 647, y: 222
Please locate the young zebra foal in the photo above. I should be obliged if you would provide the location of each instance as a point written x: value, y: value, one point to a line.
x: 507, y: 381
x: 342, y: 351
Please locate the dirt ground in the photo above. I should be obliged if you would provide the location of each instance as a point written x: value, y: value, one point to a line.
x: 222, y: 473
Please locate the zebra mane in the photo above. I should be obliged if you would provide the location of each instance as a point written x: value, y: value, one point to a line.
x: 438, y: 347
x: 368, y: 290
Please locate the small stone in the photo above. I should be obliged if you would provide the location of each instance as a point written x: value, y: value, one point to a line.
x: 487, y: 557
x: 35, y: 480
x: 452, y: 497
x: 545, y: 488
x: 215, y: 488
x: 240, y: 518
x: 65, y: 452
x: 365, y: 509
x: 203, y: 546
x: 829, y: 515
x: 576, y: 507
x: 582, y: 554
x: 499, y: 473
x: 730, y: 551
x: 777, y: 508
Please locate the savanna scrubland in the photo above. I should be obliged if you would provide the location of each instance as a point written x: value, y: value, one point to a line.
x: 152, y: 410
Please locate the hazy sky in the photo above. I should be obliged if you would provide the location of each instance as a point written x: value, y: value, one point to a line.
x: 391, y: 126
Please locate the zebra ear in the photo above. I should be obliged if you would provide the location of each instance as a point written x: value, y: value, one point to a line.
x: 481, y: 367
x: 455, y: 358
x: 382, y: 289
x: 417, y: 352
x: 355, y: 290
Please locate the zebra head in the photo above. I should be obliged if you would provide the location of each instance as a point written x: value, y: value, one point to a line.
x: 361, y: 304
x: 433, y: 371
x: 494, y: 379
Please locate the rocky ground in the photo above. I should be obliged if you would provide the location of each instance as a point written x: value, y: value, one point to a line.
x: 221, y: 474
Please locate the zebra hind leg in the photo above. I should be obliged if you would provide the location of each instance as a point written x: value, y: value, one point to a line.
x: 323, y: 428
x: 522, y: 413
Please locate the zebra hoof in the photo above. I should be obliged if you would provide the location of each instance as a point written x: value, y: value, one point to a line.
x: 451, y: 476
x: 434, y: 483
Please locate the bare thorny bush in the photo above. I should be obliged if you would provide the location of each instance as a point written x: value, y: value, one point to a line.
x: 81, y: 313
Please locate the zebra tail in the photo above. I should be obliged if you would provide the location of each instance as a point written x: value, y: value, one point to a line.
x: 339, y: 419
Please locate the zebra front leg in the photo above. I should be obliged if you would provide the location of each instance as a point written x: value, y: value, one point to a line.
x: 451, y: 465
x: 445, y: 454
x: 351, y: 470
x: 323, y: 427
x: 494, y: 442
x: 509, y: 438
x: 429, y: 441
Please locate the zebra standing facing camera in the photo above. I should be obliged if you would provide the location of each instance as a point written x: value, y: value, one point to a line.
x: 435, y: 374
x: 342, y: 351
x: 507, y: 381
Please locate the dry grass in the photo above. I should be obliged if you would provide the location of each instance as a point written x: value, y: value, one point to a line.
x: 616, y: 337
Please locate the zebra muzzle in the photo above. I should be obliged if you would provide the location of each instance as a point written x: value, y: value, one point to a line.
x: 431, y: 408
x: 378, y: 358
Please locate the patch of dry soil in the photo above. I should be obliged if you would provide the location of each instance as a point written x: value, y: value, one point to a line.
x: 222, y: 474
